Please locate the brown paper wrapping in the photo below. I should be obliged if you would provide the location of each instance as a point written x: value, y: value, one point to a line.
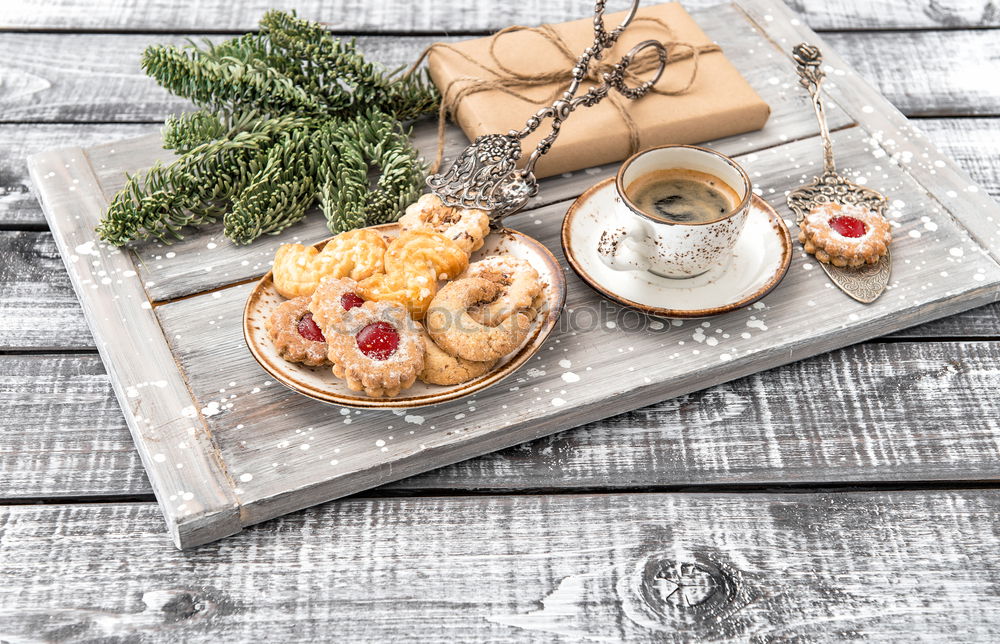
x: 719, y: 103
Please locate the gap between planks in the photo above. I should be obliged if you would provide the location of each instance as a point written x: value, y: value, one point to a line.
x: 852, y: 487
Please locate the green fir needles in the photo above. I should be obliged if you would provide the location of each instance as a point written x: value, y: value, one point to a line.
x: 290, y: 118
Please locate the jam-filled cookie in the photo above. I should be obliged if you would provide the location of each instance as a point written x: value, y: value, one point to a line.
x: 453, y: 329
x: 414, y: 262
x: 519, y: 285
x: 845, y: 234
x: 296, y: 335
x: 442, y: 368
x: 299, y: 269
x: 380, y: 353
x: 467, y: 227
x: 334, y: 304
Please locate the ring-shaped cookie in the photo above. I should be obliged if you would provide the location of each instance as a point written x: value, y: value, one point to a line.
x: 381, y: 353
x: 467, y: 227
x: 845, y: 234
x: 519, y: 285
x: 453, y: 329
x: 442, y: 368
x: 296, y: 336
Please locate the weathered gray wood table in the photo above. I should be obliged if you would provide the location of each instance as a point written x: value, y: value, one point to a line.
x: 853, y: 495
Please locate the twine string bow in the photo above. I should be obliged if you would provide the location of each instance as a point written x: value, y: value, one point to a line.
x: 514, y: 83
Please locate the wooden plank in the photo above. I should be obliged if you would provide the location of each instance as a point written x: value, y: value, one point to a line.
x: 274, y: 480
x: 18, y: 206
x: 41, y: 312
x: 460, y: 16
x: 38, y: 309
x: 972, y: 142
x: 62, y: 431
x: 176, y: 448
x: 185, y: 271
x: 53, y: 77
x: 917, y: 82
x: 904, y: 144
x: 935, y: 419
x: 882, y: 566
x: 281, y: 440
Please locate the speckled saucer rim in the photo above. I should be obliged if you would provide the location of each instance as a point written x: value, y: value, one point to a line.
x: 776, y: 221
x: 285, y: 374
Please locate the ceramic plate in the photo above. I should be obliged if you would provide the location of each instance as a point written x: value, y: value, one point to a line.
x: 321, y: 384
x: 757, y: 264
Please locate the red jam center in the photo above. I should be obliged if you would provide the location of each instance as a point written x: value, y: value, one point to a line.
x: 309, y: 330
x: 848, y: 226
x: 350, y: 301
x: 378, y: 340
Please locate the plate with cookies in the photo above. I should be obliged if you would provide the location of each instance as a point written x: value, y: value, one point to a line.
x: 422, y: 311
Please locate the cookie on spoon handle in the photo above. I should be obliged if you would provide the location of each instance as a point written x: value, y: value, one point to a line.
x: 859, y: 268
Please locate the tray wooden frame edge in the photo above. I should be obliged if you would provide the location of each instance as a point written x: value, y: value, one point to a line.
x: 190, y: 481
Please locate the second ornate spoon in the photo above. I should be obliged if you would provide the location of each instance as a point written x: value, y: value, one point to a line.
x: 864, y: 283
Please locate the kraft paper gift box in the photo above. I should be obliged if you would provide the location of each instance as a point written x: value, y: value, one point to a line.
x: 718, y: 103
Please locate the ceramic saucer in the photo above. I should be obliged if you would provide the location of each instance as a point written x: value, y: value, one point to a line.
x: 758, y: 262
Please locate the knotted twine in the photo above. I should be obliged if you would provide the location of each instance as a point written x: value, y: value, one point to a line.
x: 513, y: 82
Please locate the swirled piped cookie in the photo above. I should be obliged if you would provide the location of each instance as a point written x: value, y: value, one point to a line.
x: 845, y: 234
x: 442, y: 368
x: 299, y: 269
x: 454, y: 330
x: 414, y: 263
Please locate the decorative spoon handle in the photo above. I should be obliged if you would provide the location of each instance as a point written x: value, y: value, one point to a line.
x: 613, y: 79
x: 809, y: 61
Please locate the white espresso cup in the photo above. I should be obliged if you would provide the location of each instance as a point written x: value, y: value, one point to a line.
x: 638, y: 241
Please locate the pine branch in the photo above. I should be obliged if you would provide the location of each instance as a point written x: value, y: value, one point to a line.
x: 343, y: 77
x: 151, y: 206
x: 372, y: 142
x: 195, y: 188
x: 279, y: 195
x: 226, y: 82
x: 187, y: 131
x: 289, y: 116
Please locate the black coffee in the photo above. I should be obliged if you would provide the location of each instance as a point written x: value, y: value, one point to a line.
x: 683, y: 196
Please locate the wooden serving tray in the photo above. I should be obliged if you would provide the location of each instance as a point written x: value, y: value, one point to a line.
x: 225, y: 447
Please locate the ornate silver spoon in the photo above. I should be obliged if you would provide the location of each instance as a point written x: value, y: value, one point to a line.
x: 485, y: 174
x: 866, y: 282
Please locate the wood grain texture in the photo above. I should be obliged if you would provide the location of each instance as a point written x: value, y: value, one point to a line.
x: 935, y: 418
x: 276, y: 440
x: 62, y: 431
x: 18, y: 206
x: 52, y: 77
x: 191, y: 483
x: 899, y: 566
x: 38, y: 308
x: 904, y: 70
x: 274, y: 477
x: 399, y: 16
x: 186, y: 271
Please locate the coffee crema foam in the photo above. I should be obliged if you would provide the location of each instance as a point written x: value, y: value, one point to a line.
x: 682, y: 196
